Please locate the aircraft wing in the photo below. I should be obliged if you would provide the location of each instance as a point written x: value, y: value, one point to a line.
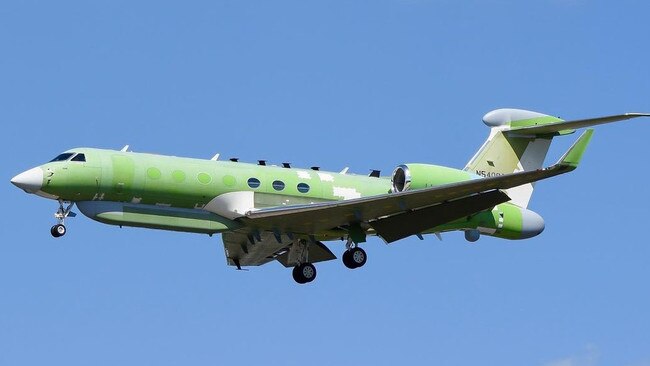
x: 383, y: 211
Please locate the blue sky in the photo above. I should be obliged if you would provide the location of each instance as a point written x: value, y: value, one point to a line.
x: 365, y: 84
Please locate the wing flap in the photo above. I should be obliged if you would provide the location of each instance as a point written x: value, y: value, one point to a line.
x: 400, y: 226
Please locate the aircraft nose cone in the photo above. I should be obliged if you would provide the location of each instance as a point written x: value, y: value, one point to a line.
x: 30, y: 181
x: 532, y: 224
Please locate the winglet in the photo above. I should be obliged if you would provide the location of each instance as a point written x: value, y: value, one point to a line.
x: 572, y: 158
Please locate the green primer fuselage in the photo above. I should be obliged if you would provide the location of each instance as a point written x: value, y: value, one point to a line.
x: 167, y: 192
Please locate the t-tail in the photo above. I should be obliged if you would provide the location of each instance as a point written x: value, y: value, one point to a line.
x: 519, y: 141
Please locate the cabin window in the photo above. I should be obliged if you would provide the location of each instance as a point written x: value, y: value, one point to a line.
x: 204, y: 178
x: 303, y: 187
x: 278, y: 185
x: 62, y: 157
x: 253, y: 182
x: 79, y: 157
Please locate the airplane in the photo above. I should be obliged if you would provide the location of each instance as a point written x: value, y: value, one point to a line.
x: 266, y: 212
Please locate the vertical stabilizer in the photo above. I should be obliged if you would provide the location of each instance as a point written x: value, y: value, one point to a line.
x: 505, y: 153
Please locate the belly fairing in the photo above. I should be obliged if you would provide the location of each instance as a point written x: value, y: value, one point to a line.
x: 156, y: 217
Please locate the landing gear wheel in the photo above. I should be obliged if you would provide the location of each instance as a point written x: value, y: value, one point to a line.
x: 347, y: 260
x: 304, y: 273
x: 296, y: 275
x: 354, y: 257
x: 58, y: 230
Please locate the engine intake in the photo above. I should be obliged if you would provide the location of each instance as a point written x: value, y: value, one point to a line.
x: 416, y: 176
x: 401, y: 179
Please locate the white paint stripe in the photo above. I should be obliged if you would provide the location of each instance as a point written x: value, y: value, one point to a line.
x: 303, y: 174
x: 325, y: 177
x: 345, y: 193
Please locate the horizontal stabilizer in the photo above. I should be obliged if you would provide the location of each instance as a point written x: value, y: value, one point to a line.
x: 557, y: 127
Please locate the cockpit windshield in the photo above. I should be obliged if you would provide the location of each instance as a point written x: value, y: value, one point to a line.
x: 79, y: 157
x: 62, y: 157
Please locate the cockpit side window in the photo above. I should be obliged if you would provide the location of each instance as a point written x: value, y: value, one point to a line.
x: 79, y: 157
x: 62, y: 157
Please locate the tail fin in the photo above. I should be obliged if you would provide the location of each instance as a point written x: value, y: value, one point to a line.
x: 503, y: 153
x: 519, y: 141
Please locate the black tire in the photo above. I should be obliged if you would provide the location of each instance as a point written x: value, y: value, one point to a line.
x: 355, y: 258
x: 347, y: 259
x: 304, y: 273
x: 58, y: 230
x: 296, y: 275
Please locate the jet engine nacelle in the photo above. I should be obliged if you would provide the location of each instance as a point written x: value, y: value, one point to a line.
x: 416, y: 176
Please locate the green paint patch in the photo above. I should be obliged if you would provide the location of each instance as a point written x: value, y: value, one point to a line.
x: 178, y: 176
x: 153, y: 173
x: 426, y: 175
x: 204, y: 178
x: 574, y: 155
x: 229, y: 181
x: 535, y: 121
x: 123, y: 173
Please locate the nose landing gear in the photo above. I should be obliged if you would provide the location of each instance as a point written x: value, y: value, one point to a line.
x: 57, y: 230
x: 60, y: 215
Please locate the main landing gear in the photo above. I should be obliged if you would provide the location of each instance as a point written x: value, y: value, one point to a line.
x: 304, y: 273
x: 59, y: 229
x: 354, y: 256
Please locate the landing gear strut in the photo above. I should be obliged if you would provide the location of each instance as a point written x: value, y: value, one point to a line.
x: 354, y: 256
x: 60, y: 215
